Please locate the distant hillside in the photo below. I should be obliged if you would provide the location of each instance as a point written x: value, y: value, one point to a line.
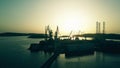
x: 13, y: 34
x: 30, y: 35
x: 37, y: 36
x: 107, y: 36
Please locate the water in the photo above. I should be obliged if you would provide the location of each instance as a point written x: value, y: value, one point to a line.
x: 14, y: 54
x: 97, y: 60
x: 113, y: 40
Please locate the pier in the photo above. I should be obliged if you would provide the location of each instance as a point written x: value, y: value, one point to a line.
x: 48, y: 63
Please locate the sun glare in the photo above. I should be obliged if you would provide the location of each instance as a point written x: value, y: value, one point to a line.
x: 71, y: 25
x: 73, y: 22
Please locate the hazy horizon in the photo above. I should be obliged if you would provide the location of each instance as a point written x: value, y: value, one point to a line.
x: 31, y: 16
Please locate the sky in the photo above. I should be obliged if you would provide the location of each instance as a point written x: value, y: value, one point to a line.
x: 31, y: 16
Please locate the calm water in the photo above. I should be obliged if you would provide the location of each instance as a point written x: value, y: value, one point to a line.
x: 98, y: 60
x: 14, y: 54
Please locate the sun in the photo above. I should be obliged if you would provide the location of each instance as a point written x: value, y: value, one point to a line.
x: 71, y: 25
x: 72, y: 22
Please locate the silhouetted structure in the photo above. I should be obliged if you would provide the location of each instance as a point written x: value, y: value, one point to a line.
x: 72, y: 47
x: 103, y: 27
x: 98, y: 27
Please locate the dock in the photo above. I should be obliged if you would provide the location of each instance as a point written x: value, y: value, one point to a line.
x: 48, y: 63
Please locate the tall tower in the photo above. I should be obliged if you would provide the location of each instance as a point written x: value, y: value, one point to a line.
x: 103, y: 27
x: 99, y: 29
x: 96, y: 27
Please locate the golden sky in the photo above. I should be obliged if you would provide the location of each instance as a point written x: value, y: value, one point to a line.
x: 32, y: 16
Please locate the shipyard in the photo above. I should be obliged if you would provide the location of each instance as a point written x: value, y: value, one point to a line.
x: 59, y: 33
x: 74, y: 45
